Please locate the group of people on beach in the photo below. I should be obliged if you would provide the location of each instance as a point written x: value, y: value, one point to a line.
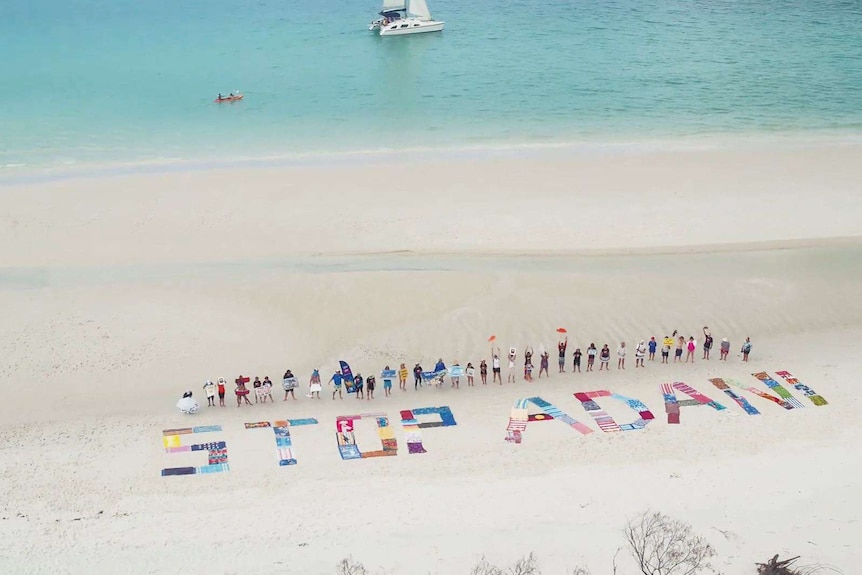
x: 364, y: 387
x: 643, y: 350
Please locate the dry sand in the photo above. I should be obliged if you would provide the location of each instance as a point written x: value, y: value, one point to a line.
x: 120, y: 293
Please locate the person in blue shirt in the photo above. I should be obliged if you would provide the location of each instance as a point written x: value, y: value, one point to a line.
x: 387, y: 381
x: 440, y: 371
x: 336, y: 380
x: 652, y: 347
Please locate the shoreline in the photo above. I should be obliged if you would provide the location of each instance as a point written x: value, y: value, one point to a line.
x: 18, y: 174
x: 410, y: 261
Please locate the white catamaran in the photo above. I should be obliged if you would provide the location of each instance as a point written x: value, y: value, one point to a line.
x: 398, y: 17
x: 390, y: 11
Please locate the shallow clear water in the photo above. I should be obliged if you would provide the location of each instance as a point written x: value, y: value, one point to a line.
x: 96, y: 81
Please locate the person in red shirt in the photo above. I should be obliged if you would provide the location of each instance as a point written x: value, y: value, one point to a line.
x: 221, y: 383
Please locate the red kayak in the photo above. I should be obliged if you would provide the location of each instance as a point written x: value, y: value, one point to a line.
x: 229, y: 99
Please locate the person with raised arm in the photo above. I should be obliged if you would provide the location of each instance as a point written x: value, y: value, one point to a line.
x: 561, y: 352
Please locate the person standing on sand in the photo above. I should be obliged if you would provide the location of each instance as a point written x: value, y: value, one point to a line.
x: 528, y: 363
x: 605, y: 358
x: 470, y: 372
x: 621, y: 355
x: 561, y: 349
x: 241, y: 391
x: 746, y: 349
x: 266, y: 390
x: 221, y: 383
x: 576, y: 360
x: 289, y: 383
x: 544, y: 360
x: 336, y: 380
x: 358, y: 386
x: 483, y: 372
x: 665, y: 348
x: 640, y: 351
x: 209, y: 388
x: 456, y: 379
x: 387, y: 382
x: 370, y: 382
x: 680, y: 343
x: 510, y: 378
x: 439, y: 372
x: 691, y: 346
x: 417, y: 377
x: 402, y: 377
x: 707, y: 342
x: 314, y: 386
x: 495, y: 367
x: 591, y: 356
x: 724, y: 349
x: 652, y: 347
x: 257, y: 384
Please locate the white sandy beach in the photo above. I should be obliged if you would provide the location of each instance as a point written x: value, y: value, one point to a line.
x: 119, y: 293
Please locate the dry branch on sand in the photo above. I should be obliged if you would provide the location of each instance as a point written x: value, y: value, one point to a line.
x: 524, y: 566
x: 785, y: 567
x: 348, y: 566
x: 661, y: 545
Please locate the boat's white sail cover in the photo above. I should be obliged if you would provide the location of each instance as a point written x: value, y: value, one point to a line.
x: 418, y: 9
x: 393, y: 5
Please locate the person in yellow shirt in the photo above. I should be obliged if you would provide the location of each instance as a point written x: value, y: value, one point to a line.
x: 402, y: 377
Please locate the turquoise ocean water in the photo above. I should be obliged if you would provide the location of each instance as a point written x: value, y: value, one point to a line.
x: 107, y: 81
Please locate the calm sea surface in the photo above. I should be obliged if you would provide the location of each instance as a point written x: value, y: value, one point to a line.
x: 105, y: 81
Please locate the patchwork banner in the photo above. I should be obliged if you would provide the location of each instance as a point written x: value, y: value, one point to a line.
x: 605, y: 422
x: 216, y: 450
x: 672, y: 405
x: 815, y: 398
x: 779, y: 390
x: 719, y: 383
x: 346, y: 439
x: 283, y: 442
x: 411, y: 425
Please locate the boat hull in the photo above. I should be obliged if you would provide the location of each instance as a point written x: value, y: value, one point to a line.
x: 228, y: 99
x: 404, y: 27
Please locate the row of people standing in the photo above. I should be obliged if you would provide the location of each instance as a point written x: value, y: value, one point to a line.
x: 648, y: 349
x: 364, y: 388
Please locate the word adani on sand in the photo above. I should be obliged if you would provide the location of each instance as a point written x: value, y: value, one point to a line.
x: 520, y: 415
x: 413, y: 420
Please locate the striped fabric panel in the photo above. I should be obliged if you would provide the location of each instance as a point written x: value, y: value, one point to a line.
x: 778, y: 389
x: 761, y: 394
x: 698, y: 397
x: 515, y: 425
x: 815, y: 398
